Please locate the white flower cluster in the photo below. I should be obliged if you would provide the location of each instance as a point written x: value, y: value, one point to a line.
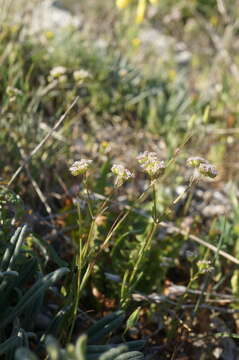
x: 208, y: 170
x: 122, y: 174
x: 80, y: 167
x: 58, y: 73
x: 151, y: 164
x: 203, y: 166
x: 195, y: 161
x: 204, y: 266
x: 81, y: 75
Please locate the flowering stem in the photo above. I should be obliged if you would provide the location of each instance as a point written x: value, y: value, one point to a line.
x: 88, y: 197
x: 144, y: 247
x: 154, y: 212
x: 103, y: 207
x: 135, y: 275
x: 191, y: 182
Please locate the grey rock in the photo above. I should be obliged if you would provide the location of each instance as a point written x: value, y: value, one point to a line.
x: 52, y: 16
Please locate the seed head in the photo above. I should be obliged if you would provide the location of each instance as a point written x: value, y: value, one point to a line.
x: 80, y: 167
x: 122, y: 174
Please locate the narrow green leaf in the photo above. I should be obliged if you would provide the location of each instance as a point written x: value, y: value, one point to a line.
x: 133, y: 318
x: 109, y: 326
x: 80, y: 348
x: 36, y: 290
x: 9, y: 251
x: 9, y: 344
x: 113, y: 353
x: 24, y: 354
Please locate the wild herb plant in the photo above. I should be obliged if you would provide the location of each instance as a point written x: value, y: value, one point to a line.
x: 87, y: 253
x: 22, y: 304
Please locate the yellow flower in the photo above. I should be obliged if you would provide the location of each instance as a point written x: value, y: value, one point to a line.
x: 153, y: 1
x: 140, y: 12
x: 105, y: 147
x: 214, y: 20
x: 49, y: 35
x: 122, y: 4
x: 136, y: 42
x: 172, y: 74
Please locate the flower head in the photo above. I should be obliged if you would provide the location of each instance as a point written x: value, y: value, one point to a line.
x: 204, y: 266
x: 121, y: 4
x: 146, y: 156
x: 80, y: 167
x: 81, y: 75
x: 57, y: 71
x: 207, y: 170
x: 195, y: 161
x: 122, y: 174
x: 150, y: 164
x: 12, y: 91
x: 140, y: 12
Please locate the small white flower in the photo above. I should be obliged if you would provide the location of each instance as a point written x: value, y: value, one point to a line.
x: 207, y: 170
x: 57, y: 71
x: 12, y: 91
x: 195, y: 161
x: 204, y: 266
x: 151, y: 164
x: 145, y: 157
x: 122, y: 174
x: 80, y: 167
x: 62, y: 79
x: 81, y: 75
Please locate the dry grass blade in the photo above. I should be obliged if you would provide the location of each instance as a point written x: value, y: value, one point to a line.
x: 37, y: 148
